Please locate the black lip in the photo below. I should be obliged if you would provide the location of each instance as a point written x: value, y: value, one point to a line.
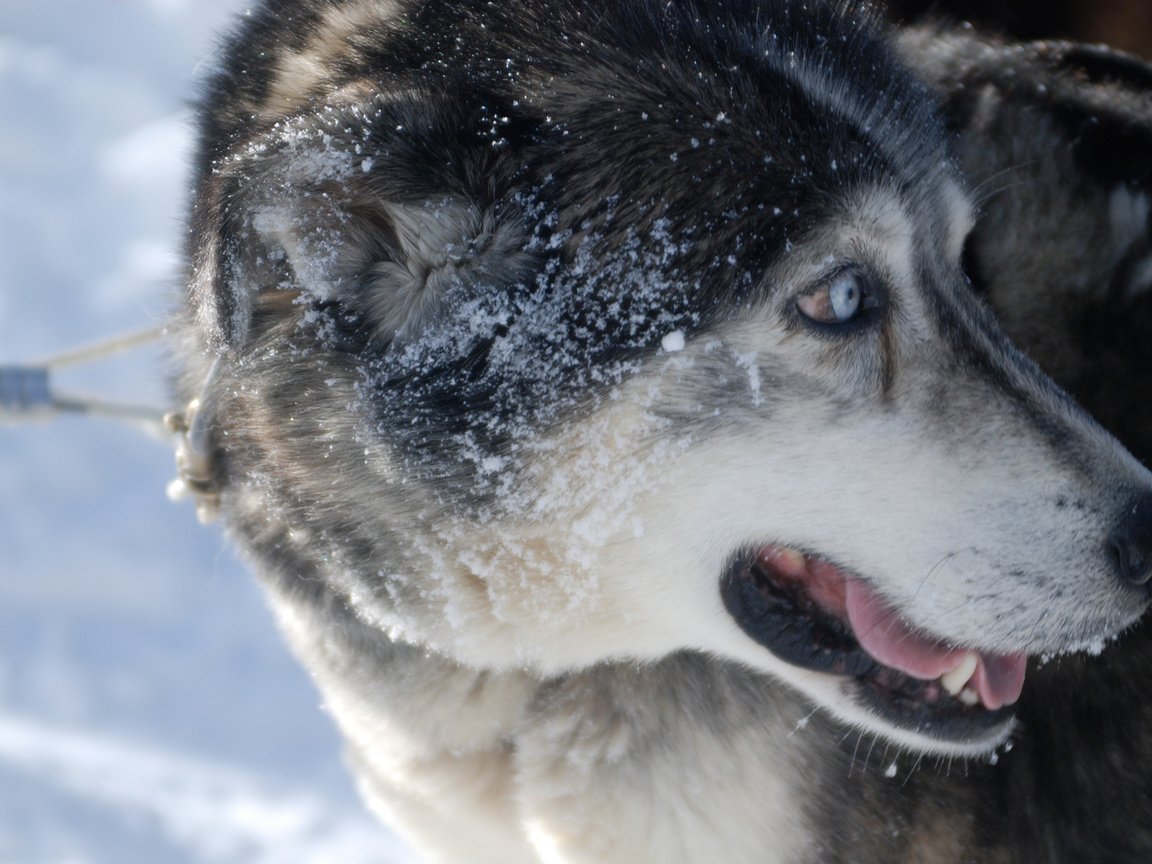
x: 794, y: 629
x: 788, y: 624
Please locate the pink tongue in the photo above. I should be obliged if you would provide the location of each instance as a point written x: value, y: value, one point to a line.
x: 998, y: 679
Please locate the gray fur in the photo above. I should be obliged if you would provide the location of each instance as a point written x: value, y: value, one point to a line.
x: 501, y: 307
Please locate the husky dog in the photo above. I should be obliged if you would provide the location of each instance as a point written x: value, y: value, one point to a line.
x: 599, y: 392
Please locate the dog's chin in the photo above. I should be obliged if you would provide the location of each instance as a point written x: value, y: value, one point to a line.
x: 850, y: 651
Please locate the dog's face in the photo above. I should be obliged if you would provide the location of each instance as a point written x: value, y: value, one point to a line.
x: 854, y: 484
x: 536, y: 378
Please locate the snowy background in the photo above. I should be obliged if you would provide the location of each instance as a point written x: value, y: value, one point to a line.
x: 148, y: 710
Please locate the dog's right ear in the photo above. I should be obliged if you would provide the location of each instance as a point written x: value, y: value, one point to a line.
x: 309, y: 217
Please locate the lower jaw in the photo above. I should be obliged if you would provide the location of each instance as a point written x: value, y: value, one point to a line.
x: 915, y: 707
x: 910, y: 711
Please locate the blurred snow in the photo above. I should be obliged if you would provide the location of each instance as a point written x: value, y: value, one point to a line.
x: 148, y: 710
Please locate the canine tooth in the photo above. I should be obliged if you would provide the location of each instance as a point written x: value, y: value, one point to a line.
x: 969, y: 696
x: 790, y: 561
x: 955, y: 680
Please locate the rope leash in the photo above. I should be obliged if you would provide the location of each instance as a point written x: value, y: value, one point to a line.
x: 27, y: 396
x: 26, y: 393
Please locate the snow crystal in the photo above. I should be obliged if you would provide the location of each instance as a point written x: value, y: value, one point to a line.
x: 1095, y: 648
x: 493, y: 464
x: 750, y: 363
x: 673, y: 342
x: 313, y: 156
x: 800, y: 726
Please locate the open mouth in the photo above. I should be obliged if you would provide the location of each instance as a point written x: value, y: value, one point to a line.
x: 816, y: 616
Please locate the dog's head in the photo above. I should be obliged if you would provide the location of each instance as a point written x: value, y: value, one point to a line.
x: 549, y: 337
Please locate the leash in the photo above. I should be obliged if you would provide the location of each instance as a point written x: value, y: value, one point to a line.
x: 27, y: 396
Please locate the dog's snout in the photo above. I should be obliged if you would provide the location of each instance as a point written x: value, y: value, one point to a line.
x: 1131, y: 542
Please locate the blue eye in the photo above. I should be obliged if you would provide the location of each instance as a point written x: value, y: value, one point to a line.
x: 844, y: 296
x: 838, y: 300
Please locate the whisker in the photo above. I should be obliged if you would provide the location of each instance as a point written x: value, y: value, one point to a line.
x: 985, y: 191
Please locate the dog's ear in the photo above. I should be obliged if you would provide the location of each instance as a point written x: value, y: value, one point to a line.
x: 307, y: 217
x: 1093, y: 101
x: 1056, y: 142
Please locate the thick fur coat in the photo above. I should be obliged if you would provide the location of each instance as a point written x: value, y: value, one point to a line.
x: 610, y: 398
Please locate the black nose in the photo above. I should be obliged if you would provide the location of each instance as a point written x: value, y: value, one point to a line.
x: 1132, y: 542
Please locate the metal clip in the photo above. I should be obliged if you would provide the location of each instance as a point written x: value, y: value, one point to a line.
x: 194, y: 462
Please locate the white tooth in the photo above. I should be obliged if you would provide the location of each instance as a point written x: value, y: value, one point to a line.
x: 969, y: 696
x: 786, y: 561
x: 793, y: 557
x: 955, y: 680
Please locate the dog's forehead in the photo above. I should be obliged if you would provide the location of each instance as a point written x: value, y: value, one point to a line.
x: 879, y: 225
x: 935, y: 219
